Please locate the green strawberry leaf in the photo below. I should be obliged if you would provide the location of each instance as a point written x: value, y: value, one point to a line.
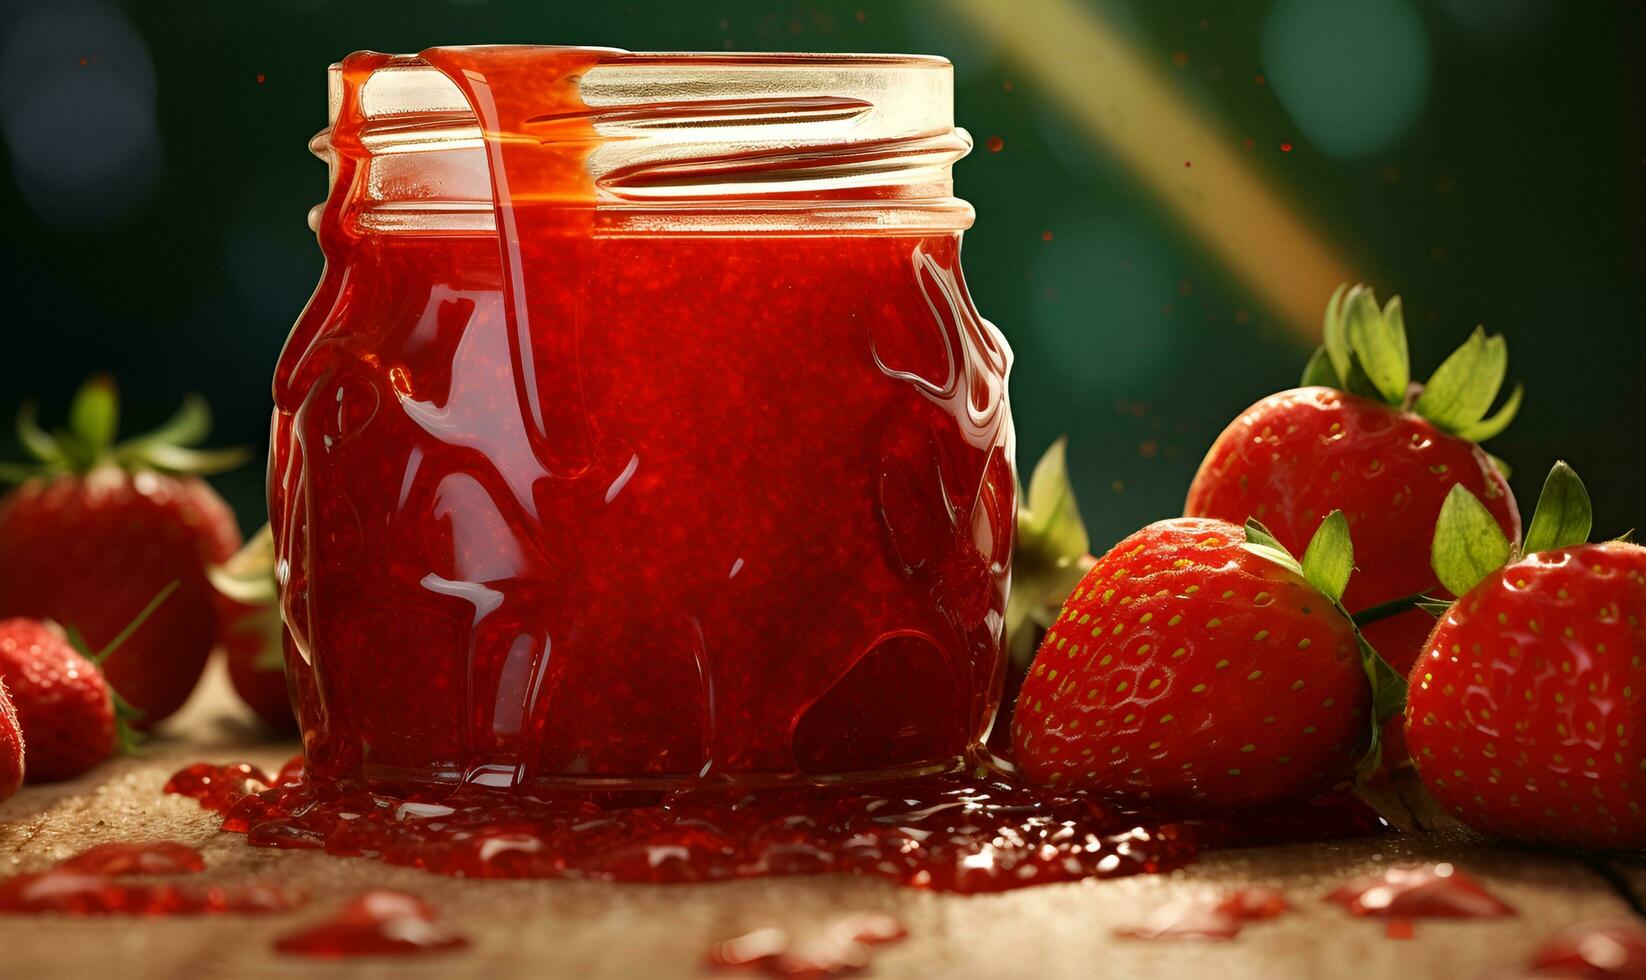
x: 1502, y: 465
x: 1378, y: 340
x: 188, y: 427
x: 1335, y: 336
x: 1388, y: 687
x: 1468, y: 544
x: 1487, y: 428
x: 1260, y: 542
x: 1563, y: 516
x: 1319, y: 371
x: 1330, y: 558
x: 88, y: 440
x: 1462, y: 389
x: 37, y: 442
x: 1051, y: 556
x: 1364, y: 352
x: 1053, y: 511
x: 94, y: 416
x: 180, y: 459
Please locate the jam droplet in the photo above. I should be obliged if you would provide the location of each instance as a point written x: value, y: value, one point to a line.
x: 995, y: 144
x: 218, y: 787
x: 1588, y: 949
x: 85, y: 884
x: 375, y: 923
x: 158, y: 857
x: 843, y: 947
x: 1216, y: 917
x: 1440, y: 891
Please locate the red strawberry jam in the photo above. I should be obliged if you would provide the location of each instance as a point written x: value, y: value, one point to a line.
x: 375, y: 923
x: 844, y: 947
x: 1214, y: 917
x: 1402, y: 894
x: 661, y: 463
x: 157, y: 857
x: 92, y: 883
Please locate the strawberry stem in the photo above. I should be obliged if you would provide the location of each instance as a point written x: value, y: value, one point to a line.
x: 1393, y: 607
x: 135, y: 624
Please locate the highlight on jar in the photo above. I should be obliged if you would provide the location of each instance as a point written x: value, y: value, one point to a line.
x: 641, y: 500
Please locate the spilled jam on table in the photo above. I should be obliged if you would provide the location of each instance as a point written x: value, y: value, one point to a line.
x: 99, y: 881
x: 616, y: 552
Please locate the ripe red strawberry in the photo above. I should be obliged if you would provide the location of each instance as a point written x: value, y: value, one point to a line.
x: 1199, y: 665
x: 96, y: 529
x: 1527, y: 713
x: 11, y: 746
x: 251, y: 633
x: 1361, y: 438
x: 63, y: 703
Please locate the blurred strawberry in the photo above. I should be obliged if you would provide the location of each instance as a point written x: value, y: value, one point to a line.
x: 250, y: 631
x: 69, y: 716
x: 11, y: 746
x: 96, y: 529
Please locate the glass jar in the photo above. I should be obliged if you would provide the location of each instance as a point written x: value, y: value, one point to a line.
x: 641, y: 428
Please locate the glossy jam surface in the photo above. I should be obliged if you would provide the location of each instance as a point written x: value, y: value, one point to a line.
x: 558, y: 506
x: 976, y: 831
x: 96, y: 881
x: 951, y: 832
x: 375, y: 923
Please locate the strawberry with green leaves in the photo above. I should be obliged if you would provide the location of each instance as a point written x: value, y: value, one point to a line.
x: 96, y: 528
x: 1527, y: 712
x: 251, y: 632
x: 1198, y: 665
x: 1362, y: 438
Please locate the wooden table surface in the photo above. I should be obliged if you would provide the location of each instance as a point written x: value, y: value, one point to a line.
x: 582, y: 929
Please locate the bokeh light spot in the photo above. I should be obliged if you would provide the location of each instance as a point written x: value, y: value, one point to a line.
x: 81, y: 130
x: 1353, y: 74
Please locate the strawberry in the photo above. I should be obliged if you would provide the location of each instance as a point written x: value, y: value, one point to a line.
x: 62, y: 700
x: 1362, y: 438
x: 65, y: 708
x: 1197, y: 665
x: 1527, y: 713
x: 251, y: 633
x: 11, y: 746
x: 96, y: 529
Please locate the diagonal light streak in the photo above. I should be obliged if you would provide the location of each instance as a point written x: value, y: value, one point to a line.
x: 1127, y: 103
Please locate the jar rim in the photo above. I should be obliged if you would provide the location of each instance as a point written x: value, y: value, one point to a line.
x: 684, y: 133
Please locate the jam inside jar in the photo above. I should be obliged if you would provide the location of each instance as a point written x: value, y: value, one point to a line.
x: 641, y: 430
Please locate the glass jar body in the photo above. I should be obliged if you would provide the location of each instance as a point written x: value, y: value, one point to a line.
x: 746, y: 513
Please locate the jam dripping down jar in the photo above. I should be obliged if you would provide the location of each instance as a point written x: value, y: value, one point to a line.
x: 641, y: 431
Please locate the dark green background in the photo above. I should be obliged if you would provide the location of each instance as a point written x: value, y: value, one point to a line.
x: 1513, y: 198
